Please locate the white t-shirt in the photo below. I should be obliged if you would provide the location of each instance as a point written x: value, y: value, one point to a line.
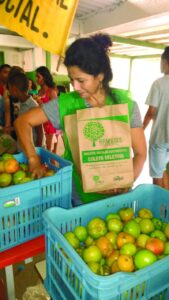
x: 159, y: 98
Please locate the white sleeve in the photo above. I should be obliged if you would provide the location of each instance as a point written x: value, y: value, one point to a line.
x: 153, y: 97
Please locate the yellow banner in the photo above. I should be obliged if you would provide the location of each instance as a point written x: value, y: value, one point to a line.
x: 45, y: 23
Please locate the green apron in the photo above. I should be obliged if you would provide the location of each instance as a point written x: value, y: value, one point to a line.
x: 69, y: 103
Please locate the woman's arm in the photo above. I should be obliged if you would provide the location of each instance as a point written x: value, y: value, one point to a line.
x: 140, y: 153
x: 139, y: 150
x: 52, y: 94
x: 150, y: 114
x: 23, y: 126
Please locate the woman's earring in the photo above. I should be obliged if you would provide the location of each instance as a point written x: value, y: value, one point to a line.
x: 101, y: 85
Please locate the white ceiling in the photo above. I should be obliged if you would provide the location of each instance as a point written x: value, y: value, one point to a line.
x: 133, y: 21
x: 87, y: 9
x: 129, y: 22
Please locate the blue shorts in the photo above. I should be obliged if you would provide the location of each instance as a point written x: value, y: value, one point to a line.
x: 158, y: 159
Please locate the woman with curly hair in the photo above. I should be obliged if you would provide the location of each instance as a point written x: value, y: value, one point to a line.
x: 46, y: 93
x: 89, y: 70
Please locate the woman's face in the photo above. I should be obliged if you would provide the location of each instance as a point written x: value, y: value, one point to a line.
x: 84, y: 84
x: 39, y: 79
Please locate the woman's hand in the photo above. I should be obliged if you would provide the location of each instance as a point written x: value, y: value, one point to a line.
x: 35, y: 167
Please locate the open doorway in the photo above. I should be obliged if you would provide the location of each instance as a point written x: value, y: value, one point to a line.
x: 143, y: 72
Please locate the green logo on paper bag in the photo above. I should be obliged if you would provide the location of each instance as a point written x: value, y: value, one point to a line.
x: 118, y: 178
x: 93, y: 131
x: 96, y: 178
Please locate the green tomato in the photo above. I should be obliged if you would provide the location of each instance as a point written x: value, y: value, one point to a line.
x: 72, y: 239
x: 166, y: 250
x: 112, y: 216
x: 94, y: 266
x: 158, y: 234
x: 115, y: 225
x: 18, y: 176
x: 128, y: 249
x: 96, y: 228
x: 92, y: 254
x: 146, y: 226
x: 144, y: 258
x: 81, y: 233
x: 157, y: 223
x: 7, y: 156
x: 133, y: 228
x: 5, y: 179
x: 126, y: 213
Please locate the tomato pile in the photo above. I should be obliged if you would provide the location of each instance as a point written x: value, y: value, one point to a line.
x: 121, y: 242
x: 13, y: 172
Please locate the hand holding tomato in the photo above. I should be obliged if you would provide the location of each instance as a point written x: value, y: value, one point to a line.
x: 35, y: 167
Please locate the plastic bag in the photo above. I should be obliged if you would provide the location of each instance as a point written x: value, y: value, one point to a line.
x: 36, y: 292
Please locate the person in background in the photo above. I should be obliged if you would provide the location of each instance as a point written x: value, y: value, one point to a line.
x: 18, y: 87
x: 89, y: 70
x: 46, y: 93
x: 61, y: 89
x: 32, y: 88
x: 158, y: 112
x: 11, y: 104
x: 4, y: 71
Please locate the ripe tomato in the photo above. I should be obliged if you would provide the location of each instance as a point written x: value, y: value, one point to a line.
x: 113, y: 257
x: 123, y: 238
x: 114, y: 267
x: 104, y: 245
x: 125, y: 263
x: 155, y: 245
x: 11, y: 165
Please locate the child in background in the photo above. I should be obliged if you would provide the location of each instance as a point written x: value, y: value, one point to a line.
x: 18, y: 87
x: 11, y: 104
x: 32, y: 88
x: 47, y: 92
x: 4, y: 71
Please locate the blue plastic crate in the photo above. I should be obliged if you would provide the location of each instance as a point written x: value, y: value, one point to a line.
x: 72, y: 279
x: 22, y: 205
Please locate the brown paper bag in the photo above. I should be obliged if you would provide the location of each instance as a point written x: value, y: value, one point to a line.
x: 105, y: 147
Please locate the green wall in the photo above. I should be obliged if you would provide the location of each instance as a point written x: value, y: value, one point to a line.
x: 2, y: 59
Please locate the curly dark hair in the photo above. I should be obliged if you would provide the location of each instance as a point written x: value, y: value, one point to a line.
x: 90, y: 54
